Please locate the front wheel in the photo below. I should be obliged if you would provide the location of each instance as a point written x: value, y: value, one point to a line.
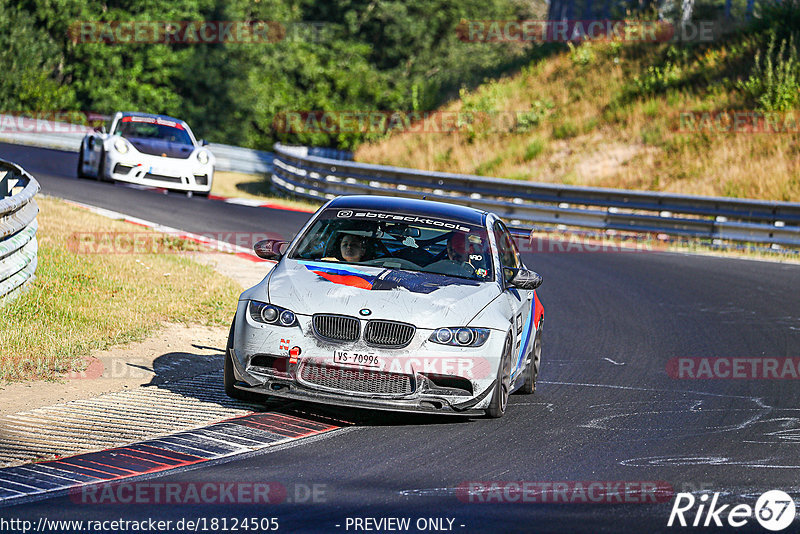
x: 81, y: 173
x: 229, y: 379
x: 101, y: 172
x: 532, y: 372
x: 502, y: 386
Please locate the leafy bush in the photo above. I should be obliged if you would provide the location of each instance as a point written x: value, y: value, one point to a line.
x: 774, y: 85
x: 526, y: 121
x: 581, y: 55
x: 29, y: 66
x: 367, y: 55
x: 657, y: 79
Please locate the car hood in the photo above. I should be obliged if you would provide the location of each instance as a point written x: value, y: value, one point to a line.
x: 423, y: 299
x: 159, y: 147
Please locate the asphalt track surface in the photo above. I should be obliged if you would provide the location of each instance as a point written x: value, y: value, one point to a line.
x: 605, y: 409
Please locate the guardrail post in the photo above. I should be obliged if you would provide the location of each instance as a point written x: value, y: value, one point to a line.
x: 4, y: 192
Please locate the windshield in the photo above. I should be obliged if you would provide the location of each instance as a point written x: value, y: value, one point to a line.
x: 398, y: 241
x: 153, y: 128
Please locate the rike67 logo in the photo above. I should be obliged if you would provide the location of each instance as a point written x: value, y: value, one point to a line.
x: 774, y: 510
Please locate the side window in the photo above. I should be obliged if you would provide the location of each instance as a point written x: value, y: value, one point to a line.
x: 506, y: 248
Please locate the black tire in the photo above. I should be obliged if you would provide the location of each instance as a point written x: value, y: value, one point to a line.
x: 80, y: 172
x: 101, y: 174
x: 532, y: 372
x: 229, y: 379
x: 502, y: 386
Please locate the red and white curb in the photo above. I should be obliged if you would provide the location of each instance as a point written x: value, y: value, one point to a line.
x: 257, y: 203
x: 182, y: 423
x: 116, y: 418
x: 243, y: 434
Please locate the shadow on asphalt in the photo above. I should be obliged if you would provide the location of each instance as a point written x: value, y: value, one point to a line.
x: 188, y: 375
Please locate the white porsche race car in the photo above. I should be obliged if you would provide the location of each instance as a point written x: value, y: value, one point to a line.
x: 395, y: 304
x: 149, y: 150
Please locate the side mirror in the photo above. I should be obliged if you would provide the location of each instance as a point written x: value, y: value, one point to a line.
x: 270, y: 249
x: 522, y: 278
x: 203, y: 142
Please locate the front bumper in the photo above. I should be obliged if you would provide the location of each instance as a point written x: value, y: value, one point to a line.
x: 155, y: 171
x: 422, y: 403
x: 474, y: 369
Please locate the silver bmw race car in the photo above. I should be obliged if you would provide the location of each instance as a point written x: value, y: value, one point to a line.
x: 149, y: 150
x: 389, y: 303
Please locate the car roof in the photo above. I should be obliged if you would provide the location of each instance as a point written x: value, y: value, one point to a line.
x: 412, y: 207
x: 150, y: 115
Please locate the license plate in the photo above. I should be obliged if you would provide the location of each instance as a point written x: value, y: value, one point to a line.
x: 160, y: 171
x: 365, y: 359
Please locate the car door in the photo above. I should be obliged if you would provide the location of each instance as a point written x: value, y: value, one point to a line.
x: 519, y: 300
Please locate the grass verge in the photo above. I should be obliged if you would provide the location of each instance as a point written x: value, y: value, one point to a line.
x: 82, y: 302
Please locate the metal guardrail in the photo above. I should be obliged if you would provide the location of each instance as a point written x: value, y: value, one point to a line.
x: 249, y: 161
x: 321, y: 173
x: 534, y: 204
x: 18, y: 225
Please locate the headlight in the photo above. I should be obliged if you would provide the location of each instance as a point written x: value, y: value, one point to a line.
x: 443, y: 335
x: 269, y: 314
x: 261, y: 312
x: 287, y: 318
x: 460, y: 337
x: 202, y: 157
x: 121, y: 146
x: 464, y: 336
